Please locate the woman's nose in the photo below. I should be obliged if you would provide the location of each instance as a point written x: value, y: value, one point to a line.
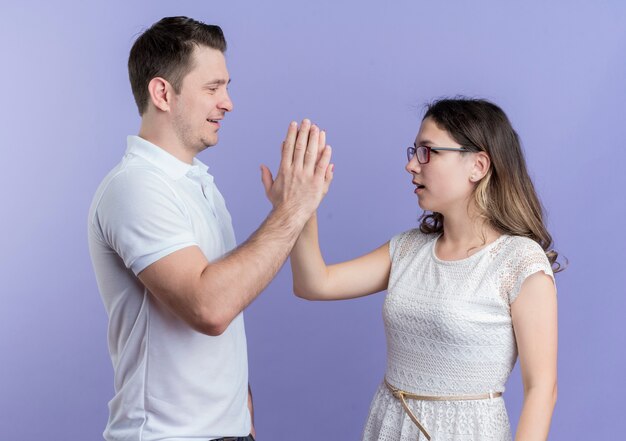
x: 413, y: 166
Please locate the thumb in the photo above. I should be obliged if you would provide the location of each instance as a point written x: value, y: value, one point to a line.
x: 266, y: 178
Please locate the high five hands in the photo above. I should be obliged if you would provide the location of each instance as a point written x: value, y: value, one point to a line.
x: 305, y: 171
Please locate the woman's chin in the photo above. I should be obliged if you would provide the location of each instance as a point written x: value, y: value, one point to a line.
x: 423, y: 206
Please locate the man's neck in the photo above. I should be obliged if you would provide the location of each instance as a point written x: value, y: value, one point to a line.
x: 167, y: 140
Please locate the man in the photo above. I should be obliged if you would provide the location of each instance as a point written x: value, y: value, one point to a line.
x: 173, y: 282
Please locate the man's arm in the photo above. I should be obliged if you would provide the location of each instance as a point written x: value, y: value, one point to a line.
x: 209, y: 295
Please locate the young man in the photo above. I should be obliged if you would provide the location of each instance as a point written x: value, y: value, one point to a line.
x: 171, y: 277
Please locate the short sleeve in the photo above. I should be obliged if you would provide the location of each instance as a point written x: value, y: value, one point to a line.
x: 526, y: 258
x: 393, y: 244
x: 406, y: 243
x: 142, y: 219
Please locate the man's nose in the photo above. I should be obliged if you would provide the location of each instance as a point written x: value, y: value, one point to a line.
x: 226, y: 103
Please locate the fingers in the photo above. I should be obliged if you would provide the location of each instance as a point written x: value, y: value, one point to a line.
x: 301, y: 142
x: 322, y: 164
x: 310, y: 154
x: 266, y: 178
x: 330, y: 172
x: 328, y: 178
x: 288, y: 145
x: 321, y: 145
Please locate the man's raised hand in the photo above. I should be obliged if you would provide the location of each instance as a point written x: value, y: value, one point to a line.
x: 305, y: 172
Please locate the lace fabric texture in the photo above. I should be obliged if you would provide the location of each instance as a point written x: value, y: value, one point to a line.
x: 449, y: 332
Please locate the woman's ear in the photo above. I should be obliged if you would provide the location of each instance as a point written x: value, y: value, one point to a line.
x: 481, y: 166
x: 160, y: 93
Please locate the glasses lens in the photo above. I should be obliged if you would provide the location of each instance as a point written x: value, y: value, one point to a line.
x: 422, y: 154
x: 410, y: 152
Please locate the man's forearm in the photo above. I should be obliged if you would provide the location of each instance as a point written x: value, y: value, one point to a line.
x: 230, y: 284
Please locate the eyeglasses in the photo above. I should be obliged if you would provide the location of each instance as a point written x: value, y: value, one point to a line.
x: 423, y: 152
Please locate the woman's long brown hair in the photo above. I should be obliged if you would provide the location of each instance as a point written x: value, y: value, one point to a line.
x: 505, y: 197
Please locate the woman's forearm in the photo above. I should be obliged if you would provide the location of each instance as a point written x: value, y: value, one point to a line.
x: 307, y: 264
x: 314, y: 280
x: 534, y: 422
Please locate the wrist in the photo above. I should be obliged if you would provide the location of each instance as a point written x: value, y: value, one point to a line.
x: 293, y: 216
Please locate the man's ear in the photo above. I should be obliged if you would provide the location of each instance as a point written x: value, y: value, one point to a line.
x: 161, y: 93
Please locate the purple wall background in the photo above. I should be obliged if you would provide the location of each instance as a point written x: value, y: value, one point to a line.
x: 362, y: 71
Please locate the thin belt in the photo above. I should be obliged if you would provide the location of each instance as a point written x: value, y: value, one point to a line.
x: 403, y: 395
x: 235, y: 438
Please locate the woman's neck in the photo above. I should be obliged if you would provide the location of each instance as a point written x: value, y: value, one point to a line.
x: 464, y: 233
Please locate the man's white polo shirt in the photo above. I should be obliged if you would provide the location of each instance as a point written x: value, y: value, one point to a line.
x: 171, y: 382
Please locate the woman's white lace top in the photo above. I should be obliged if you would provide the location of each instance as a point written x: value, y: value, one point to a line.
x: 449, y: 332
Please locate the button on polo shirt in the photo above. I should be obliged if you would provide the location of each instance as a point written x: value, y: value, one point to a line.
x: 171, y: 382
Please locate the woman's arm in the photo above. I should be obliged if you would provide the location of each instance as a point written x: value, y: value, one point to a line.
x: 534, y: 314
x: 313, y: 280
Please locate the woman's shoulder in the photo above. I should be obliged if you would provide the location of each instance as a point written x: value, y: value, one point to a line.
x: 408, y: 241
x: 415, y: 235
x: 520, y: 254
x: 521, y: 246
x: 520, y: 258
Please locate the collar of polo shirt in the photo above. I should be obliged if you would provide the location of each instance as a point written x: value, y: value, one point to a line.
x: 174, y: 167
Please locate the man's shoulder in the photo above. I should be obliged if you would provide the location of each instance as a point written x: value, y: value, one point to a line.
x: 134, y: 174
x: 132, y: 181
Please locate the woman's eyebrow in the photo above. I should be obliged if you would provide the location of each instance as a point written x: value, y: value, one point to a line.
x: 424, y: 142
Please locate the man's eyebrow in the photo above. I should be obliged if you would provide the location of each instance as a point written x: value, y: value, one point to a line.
x: 216, y: 82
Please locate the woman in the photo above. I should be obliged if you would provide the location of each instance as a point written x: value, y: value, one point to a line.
x: 468, y: 290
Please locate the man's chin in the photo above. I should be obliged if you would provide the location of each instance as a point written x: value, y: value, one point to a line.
x: 209, y: 142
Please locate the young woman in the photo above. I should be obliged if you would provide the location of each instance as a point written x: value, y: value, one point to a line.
x: 468, y: 290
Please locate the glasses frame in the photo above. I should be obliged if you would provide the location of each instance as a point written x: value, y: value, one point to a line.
x: 411, y: 152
